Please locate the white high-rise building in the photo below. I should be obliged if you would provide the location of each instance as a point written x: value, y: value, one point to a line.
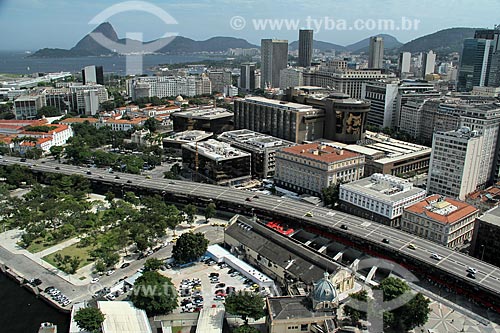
x: 428, y: 63
x: 376, y: 56
x: 485, y: 119
x: 291, y: 77
x: 404, y: 63
x: 455, y: 163
x: 274, y: 58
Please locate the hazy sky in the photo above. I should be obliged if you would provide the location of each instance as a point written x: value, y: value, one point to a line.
x: 32, y: 24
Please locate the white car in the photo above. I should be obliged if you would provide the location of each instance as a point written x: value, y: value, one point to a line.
x: 471, y: 270
x: 436, y: 256
x: 110, y: 272
x: 94, y: 280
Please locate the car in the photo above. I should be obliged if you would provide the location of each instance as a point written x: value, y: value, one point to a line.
x: 412, y: 247
x: 129, y: 181
x: 309, y: 214
x: 58, y: 168
x: 436, y: 256
x: 23, y: 159
x: 94, y: 280
x: 344, y: 227
x: 471, y: 270
x: 125, y: 265
x: 148, y: 177
x: 471, y: 275
x: 101, y: 177
x: 117, y: 177
x: 248, y: 199
x: 110, y: 272
x: 256, y: 196
x: 49, y: 289
x: 171, y: 183
x: 385, y: 240
x: 43, y: 162
x: 220, y: 285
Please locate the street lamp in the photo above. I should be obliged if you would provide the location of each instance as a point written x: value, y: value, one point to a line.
x: 482, y: 252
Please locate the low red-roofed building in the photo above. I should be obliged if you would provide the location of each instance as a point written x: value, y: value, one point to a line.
x: 440, y: 219
x: 311, y: 167
x: 485, y: 199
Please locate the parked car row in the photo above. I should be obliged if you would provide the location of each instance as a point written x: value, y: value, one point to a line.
x: 58, y: 296
x: 191, y: 293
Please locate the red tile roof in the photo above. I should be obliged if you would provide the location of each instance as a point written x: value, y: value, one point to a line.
x: 321, y: 153
x: 463, y: 210
x: 78, y: 120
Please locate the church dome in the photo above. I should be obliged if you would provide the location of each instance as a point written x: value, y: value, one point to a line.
x: 324, y: 290
x: 179, y: 99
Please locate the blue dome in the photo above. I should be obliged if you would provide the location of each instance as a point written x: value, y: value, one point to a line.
x: 324, y: 290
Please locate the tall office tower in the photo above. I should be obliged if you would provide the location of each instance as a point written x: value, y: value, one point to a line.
x: 480, y: 61
x: 274, y: 58
x: 404, y: 63
x: 485, y: 119
x: 455, y: 163
x: 247, y: 77
x: 93, y: 75
x: 428, y: 63
x: 376, y: 56
x: 305, y: 47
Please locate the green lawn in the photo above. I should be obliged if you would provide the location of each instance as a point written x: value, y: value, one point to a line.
x: 41, y: 244
x: 72, y: 250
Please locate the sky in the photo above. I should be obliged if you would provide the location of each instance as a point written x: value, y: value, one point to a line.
x: 34, y: 24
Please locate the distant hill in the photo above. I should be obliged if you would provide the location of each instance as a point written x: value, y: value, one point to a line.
x: 87, y: 46
x: 319, y: 45
x: 390, y: 42
x: 444, y: 41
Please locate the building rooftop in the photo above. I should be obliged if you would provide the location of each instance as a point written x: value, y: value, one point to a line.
x: 492, y: 216
x: 216, y: 150
x: 211, y: 113
x: 386, y: 187
x: 442, y: 209
x: 304, y: 264
x: 278, y: 103
x: 290, y: 307
x: 253, y: 139
x: 188, y: 136
x: 321, y: 152
x: 123, y: 317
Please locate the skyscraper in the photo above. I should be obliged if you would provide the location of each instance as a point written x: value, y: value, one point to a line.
x: 480, y: 61
x: 455, y: 163
x: 274, y: 58
x: 404, y: 63
x: 247, y: 77
x: 305, y: 47
x: 428, y: 63
x: 376, y: 56
x: 93, y: 75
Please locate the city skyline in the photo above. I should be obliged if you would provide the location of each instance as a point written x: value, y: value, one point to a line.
x: 60, y: 27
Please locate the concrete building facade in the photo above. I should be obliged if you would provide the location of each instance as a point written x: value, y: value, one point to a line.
x: 440, y: 219
x: 274, y: 58
x: 311, y: 167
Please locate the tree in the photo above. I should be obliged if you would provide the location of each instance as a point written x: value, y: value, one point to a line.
x: 353, y: 314
x: 131, y: 198
x: 151, y: 124
x: 245, y: 304
x: 246, y: 329
x: 109, y: 196
x: 56, y: 152
x: 48, y: 111
x: 210, y: 211
x: 189, y: 247
x: 154, y: 293
x: 152, y: 264
x: 331, y: 194
x: 412, y: 314
x: 190, y: 211
x: 89, y: 319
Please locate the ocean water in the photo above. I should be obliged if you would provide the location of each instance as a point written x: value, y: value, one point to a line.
x: 20, y: 63
x: 22, y: 312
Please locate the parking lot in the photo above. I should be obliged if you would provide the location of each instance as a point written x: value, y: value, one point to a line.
x: 206, y: 284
